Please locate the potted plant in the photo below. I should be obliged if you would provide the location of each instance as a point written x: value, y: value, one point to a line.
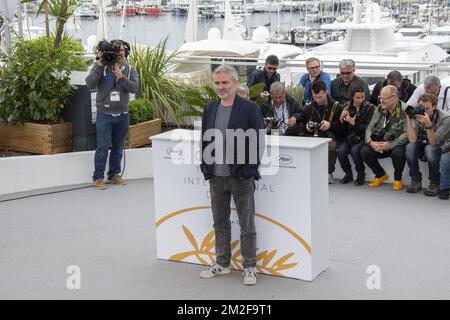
x: 142, y: 123
x: 35, y: 87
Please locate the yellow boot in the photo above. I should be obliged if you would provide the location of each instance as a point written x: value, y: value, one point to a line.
x: 377, y: 181
x: 397, y: 185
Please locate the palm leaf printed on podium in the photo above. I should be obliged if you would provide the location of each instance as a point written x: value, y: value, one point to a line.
x: 263, y: 259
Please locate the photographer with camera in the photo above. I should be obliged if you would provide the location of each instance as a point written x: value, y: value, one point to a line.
x: 432, y: 85
x: 354, y: 120
x: 428, y: 128
x: 266, y: 75
x: 114, y: 80
x: 321, y: 119
x: 281, y: 112
x: 386, y: 137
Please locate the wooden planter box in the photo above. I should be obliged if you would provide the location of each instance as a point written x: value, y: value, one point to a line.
x: 138, y: 134
x: 36, y: 138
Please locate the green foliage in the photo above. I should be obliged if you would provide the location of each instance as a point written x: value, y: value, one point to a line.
x: 197, y: 98
x: 141, y: 110
x: 165, y: 94
x: 297, y: 92
x: 35, y: 87
x: 256, y: 91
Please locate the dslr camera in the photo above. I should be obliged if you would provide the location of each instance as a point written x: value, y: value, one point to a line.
x: 110, y: 52
x: 382, y: 136
x: 272, y: 123
x: 352, y: 111
x: 413, y: 111
x: 313, y: 126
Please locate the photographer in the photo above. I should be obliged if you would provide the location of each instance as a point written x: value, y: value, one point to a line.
x: 321, y: 119
x: 354, y: 120
x: 266, y: 75
x: 428, y: 127
x: 386, y: 137
x: 114, y: 80
x: 281, y: 112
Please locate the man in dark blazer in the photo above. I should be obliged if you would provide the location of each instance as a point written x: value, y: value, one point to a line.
x: 230, y: 154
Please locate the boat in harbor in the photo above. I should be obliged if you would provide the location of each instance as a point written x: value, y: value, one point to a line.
x: 130, y: 8
x: 86, y: 11
x: 374, y: 48
x: 149, y: 7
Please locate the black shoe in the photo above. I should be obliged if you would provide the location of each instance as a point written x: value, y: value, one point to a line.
x: 360, y: 180
x: 346, y: 179
x: 432, y: 190
x: 414, y: 187
x: 444, y: 194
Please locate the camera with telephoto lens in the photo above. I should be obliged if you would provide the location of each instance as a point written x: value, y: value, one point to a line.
x: 314, y: 126
x: 110, y: 52
x: 413, y: 111
x: 382, y: 136
x: 352, y: 111
x: 272, y: 123
x: 445, y: 148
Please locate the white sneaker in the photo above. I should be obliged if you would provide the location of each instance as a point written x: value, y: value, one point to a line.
x: 331, y: 179
x: 250, y: 276
x: 213, y: 270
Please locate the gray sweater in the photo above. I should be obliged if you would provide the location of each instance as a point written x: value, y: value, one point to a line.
x: 102, y: 79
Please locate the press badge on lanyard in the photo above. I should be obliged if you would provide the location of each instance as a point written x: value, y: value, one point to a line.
x: 114, y: 95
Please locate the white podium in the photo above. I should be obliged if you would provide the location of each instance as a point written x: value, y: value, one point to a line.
x: 291, y: 205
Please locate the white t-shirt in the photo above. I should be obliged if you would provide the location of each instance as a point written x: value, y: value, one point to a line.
x: 413, y: 101
x: 282, y: 116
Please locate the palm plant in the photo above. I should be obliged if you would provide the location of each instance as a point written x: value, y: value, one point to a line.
x: 166, y: 95
x: 61, y: 10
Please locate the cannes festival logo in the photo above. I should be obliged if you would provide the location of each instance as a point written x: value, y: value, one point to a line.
x: 198, y: 247
x: 284, y: 159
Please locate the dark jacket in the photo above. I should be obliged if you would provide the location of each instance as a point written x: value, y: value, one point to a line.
x: 405, y: 91
x: 244, y: 115
x: 260, y: 76
x: 341, y: 92
x: 295, y: 109
x: 316, y: 113
x: 361, y: 123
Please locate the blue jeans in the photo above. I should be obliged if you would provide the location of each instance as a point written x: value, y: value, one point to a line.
x: 432, y: 154
x: 110, y: 129
x: 445, y: 171
x: 354, y: 149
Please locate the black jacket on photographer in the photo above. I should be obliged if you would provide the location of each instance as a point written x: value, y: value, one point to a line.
x: 361, y: 122
x: 405, y: 91
x: 295, y: 109
x: 331, y: 113
x: 260, y: 76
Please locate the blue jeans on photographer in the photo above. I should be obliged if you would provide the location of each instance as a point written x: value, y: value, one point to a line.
x: 354, y: 149
x: 445, y: 171
x: 432, y: 154
x: 110, y: 128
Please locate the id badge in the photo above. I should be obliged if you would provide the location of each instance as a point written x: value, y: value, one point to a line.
x: 115, y: 96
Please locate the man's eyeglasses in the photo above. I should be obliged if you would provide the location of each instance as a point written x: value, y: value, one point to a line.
x: 271, y: 68
x: 346, y: 73
x: 313, y: 68
x: 385, y: 98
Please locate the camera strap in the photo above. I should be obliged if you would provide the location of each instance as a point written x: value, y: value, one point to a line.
x: 445, y: 97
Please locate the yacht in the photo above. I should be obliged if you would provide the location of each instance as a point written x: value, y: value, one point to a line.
x: 196, y: 58
x: 372, y: 45
x: 149, y: 7
x: 130, y: 8
x: 85, y: 10
x: 440, y: 36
